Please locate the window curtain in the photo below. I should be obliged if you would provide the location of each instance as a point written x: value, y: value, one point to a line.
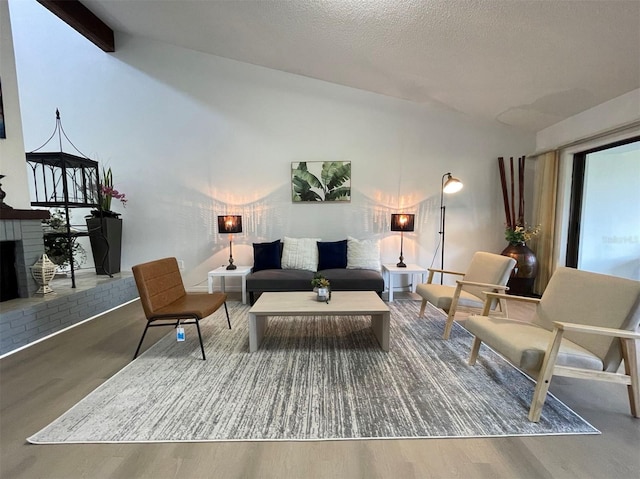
x: 544, y: 214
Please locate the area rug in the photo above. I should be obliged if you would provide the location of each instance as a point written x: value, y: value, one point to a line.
x: 316, y: 378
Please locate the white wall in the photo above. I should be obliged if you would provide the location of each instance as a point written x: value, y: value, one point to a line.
x: 190, y: 136
x: 12, y: 157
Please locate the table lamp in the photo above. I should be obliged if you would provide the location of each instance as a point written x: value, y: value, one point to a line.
x: 230, y: 224
x: 402, y: 222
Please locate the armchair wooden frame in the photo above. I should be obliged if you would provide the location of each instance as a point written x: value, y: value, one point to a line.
x: 629, y: 345
x: 496, y: 288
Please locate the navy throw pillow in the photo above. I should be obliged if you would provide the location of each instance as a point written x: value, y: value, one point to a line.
x: 332, y: 254
x: 266, y: 256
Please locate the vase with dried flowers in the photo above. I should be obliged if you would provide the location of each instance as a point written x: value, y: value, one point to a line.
x: 517, y: 232
x: 105, y: 227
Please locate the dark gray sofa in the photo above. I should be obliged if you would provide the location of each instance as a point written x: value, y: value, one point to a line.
x: 268, y: 276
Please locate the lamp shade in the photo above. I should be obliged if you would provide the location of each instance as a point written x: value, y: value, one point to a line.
x: 230, y: 224
x: 402, y: 222
x: 452, y: 185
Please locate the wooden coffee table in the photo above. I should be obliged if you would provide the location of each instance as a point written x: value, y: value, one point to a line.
x: 343, y: 303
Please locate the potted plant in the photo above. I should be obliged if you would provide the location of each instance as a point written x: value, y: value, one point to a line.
x: 318, y: 281
x: 56, y: 242
x: 105, y: 227
x: 322, y: 286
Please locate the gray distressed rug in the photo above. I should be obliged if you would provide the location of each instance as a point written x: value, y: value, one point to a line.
x: 312, y: 379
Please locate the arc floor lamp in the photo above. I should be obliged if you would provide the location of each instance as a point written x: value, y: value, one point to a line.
x: 450, y: 185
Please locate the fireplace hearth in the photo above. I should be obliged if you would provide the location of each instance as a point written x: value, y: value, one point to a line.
x: 22, y: 244
x: 8, y: 277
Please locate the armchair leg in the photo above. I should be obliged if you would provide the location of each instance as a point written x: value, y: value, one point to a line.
x: 452, y: 312
x: 204, y: 358
x: 449, y: 325
x: 632, y: 369
x: 423, y: 307
x: 475, y: 349
x: 544, y: 376
x: 227, y: 311
x: 141, y: 339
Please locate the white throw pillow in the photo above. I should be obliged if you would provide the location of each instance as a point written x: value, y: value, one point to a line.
x: 300, y: 253
x: 363, y: 254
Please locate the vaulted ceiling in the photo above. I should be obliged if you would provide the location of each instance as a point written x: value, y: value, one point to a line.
x: 526, y: 63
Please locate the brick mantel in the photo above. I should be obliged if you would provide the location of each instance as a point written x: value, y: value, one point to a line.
x: 13, y: 214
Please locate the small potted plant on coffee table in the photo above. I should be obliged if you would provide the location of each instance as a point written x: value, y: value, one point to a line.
x: 322, y: 286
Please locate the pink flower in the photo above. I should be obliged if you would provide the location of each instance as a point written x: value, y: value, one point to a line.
x: 107, y: 192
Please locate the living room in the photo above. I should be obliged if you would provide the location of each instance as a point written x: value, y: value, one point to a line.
x: 190, y: 136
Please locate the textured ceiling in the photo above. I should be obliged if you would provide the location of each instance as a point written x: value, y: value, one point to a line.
x: 526, y: 63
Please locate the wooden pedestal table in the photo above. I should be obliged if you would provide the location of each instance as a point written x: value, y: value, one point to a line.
x: 342, y: 303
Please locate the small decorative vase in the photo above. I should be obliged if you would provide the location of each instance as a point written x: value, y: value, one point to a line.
x: 43, y: 272
x: 525, y: 271
x: 323, y: 294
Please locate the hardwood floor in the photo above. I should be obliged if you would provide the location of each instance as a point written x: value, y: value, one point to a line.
x: 41, y: 382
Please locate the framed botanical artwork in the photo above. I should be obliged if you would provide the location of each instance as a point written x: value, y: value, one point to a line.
x: 320, y: 181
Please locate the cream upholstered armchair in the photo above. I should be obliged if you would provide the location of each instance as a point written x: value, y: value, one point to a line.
x: 487, y: 271
x: 584, y: 325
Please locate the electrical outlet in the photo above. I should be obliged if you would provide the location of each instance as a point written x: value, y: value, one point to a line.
x: 181, y: 264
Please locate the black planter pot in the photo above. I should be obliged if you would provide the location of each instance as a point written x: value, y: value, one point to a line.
x: 526, y: 269
x: 105, y: 235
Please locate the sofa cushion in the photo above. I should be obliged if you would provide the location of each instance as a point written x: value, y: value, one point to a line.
x: 300, y: 253
x: 332, y: 254
x: 363, y: 254
x: 342, y: 279
x: 266, y: 256
x: 280, y: 280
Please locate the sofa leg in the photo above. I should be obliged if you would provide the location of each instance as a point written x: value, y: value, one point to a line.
x: 251, y: 298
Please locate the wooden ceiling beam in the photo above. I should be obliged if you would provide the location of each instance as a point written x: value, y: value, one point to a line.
x: 83, y: 20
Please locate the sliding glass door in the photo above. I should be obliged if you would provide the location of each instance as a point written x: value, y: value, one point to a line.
x: 604, y: 225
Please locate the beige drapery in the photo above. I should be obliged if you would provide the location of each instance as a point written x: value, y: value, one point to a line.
x: 544, y: 214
